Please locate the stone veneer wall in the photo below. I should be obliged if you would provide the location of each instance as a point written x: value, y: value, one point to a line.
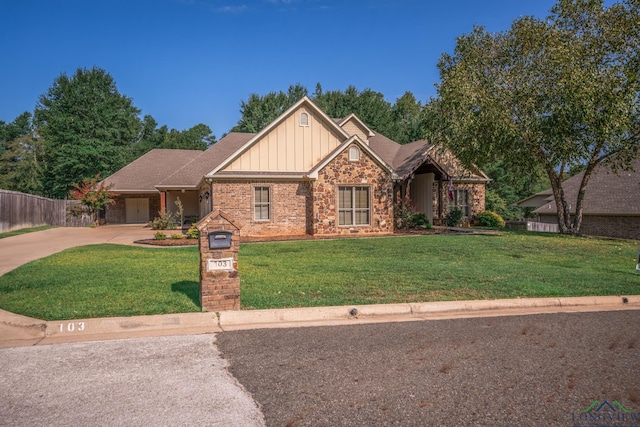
x: 476, y: 198
x: 365, y: 172
x: 288, y: 210
x: 116, y: 212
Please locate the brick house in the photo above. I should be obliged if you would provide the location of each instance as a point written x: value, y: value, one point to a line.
x: 304, y: 173
x: 611, y: 202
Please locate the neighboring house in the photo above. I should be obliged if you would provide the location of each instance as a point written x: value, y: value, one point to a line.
x: 305, y: 173
x: 611, y: 203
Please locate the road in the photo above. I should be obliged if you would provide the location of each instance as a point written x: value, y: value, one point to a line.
x: 162, y: 381
x: 535, y: 370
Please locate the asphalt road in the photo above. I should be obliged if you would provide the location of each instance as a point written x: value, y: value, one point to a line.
x: 535, y: 370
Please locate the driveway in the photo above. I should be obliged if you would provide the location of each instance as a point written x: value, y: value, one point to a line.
x: 162, y: 381
x: 24, y: 248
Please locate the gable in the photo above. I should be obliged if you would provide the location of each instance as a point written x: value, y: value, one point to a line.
x: 353, y: 126
x: 290, y: 146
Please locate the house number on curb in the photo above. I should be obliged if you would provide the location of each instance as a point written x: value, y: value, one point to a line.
x: 72, y: 327
x: 220, y: 264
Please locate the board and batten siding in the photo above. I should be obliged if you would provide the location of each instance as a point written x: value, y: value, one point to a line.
x: 290, y: 147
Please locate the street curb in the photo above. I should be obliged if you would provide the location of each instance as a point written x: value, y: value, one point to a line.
x: 315, y: 316
x: 16, y: 330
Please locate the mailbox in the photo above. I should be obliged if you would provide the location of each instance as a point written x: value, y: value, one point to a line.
x: 220, y: 239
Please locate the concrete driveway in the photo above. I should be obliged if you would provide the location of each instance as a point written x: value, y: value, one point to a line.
x: 18, y: 250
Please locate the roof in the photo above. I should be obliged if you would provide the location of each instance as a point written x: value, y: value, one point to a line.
x: 192, y: 173
x: 607, y: 193
x: 142, y: 175
x: 407, y: 158
x: 165, y: 169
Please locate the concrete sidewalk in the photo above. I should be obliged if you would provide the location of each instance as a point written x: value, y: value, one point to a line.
x: 18, y: 330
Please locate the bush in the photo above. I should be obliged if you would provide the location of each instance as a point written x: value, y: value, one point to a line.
x: 490, y: 219
x: 177, y: 236
x: 159, y: 236
x: 192, y: 232
x: 419, y: 220
x: 454, y: 217
x: 166, y: 221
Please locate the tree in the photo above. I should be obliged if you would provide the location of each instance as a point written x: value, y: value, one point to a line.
x: 547, y: 93
x: 258, y: 111
x: 368, y: 105
x: 406, y: 116
x: 88, y: 128
x: 94, y: 195
x: 20, y: 152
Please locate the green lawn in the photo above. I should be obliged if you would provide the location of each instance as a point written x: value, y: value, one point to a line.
x: 25, y: 230
x: 115, y: 280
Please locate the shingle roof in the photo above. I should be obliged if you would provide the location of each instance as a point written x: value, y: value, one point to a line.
x: 145, y: 172
x: 406, y: 158
x: 607, y: 193
x: 190, y: 174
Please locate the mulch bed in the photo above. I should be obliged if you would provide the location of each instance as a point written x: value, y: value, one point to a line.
x: 252, y: 239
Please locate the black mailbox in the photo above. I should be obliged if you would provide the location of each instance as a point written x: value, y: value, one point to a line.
x: 220, y: 239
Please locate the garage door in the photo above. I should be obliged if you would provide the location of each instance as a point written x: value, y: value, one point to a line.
x: 136, y: 210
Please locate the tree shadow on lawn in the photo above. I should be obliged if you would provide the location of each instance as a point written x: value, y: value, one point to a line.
x: 190, y: 289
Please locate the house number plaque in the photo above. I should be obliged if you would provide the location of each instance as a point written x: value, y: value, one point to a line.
x: 224, y: 264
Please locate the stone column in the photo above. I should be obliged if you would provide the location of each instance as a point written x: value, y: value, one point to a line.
x: 219, y: 279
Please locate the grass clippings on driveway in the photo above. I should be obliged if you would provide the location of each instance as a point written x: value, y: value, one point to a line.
x: 115, y: 280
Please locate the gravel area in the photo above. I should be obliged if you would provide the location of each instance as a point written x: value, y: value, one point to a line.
x: 535, y: 370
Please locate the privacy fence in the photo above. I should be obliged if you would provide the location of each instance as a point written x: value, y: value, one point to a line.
x: 20, y: 210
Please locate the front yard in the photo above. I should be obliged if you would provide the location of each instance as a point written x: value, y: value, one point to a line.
x: 114, y: 280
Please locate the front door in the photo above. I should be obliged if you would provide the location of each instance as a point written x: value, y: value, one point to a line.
x: 136, y: 210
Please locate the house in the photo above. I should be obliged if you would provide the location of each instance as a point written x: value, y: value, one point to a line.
x: 611, y: 202
x: 304, y: 173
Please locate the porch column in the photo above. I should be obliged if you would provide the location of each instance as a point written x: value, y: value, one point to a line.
x: 163, y: 201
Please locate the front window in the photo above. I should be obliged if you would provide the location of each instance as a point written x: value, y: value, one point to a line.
x: 353, y: 205
x: 461, y: 201
x: 261, y: 203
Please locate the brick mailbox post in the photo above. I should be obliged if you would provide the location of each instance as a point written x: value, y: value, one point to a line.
x: 219, y: 246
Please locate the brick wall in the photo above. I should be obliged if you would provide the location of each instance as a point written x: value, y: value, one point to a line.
x: 622, y: 227
x: 288, y: 209
x: 364, y: 172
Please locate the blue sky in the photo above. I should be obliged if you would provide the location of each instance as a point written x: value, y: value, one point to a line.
x: 193, y: 61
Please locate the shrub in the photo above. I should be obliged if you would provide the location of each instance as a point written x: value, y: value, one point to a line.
x: 192, y: 232
x: 159, y: 236
x: 490, y: 219
x: 419, y: 220
x: 454, y: 217
x: 177, y: 236
x: 166, y: 221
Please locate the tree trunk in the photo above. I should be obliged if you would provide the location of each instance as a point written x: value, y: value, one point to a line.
x: 562, y: 209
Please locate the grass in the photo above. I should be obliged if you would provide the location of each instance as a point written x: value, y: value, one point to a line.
x: 104, y: 281
x: 113, y: 280
x: 24, y: 231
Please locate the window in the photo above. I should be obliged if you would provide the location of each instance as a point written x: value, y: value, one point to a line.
x: 304, y: 119
x: 354, y: 154
x: 460, y: 200
x: 261, y: 203
x: 353, y: 206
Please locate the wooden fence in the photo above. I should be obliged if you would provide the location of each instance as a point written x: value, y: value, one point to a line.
x: 542, y: 226
x: 20, y: 210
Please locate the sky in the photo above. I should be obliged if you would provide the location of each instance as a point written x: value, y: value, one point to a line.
x: 186, y: 62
